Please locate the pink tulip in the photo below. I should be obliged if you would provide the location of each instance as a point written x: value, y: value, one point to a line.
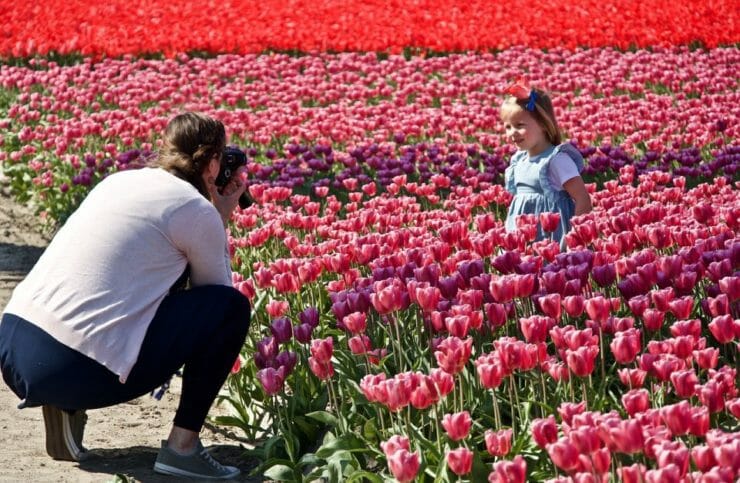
x: 636, y: 401
x: 457, y: 425
x: 460, y: 461
x: 514, y: 471
x: 404, y: 465
x: 498, y: 443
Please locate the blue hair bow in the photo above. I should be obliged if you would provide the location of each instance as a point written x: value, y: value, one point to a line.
x: 532, y: 100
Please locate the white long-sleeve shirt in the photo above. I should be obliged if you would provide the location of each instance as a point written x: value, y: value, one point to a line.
x: 100, y: 281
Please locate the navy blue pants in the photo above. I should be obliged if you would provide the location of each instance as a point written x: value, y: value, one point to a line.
x: 202, y: 329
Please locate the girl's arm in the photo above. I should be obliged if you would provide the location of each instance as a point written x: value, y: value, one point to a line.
x: 577, y: 190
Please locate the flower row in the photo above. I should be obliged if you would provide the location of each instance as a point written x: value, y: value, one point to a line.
x: 117, y: 27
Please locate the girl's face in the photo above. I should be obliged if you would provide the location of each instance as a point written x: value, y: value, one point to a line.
x: 522, y: 129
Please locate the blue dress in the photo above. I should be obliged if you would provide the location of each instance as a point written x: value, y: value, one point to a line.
x: 528, y: 180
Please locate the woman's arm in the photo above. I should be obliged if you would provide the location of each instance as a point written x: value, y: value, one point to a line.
x: 577, y: 190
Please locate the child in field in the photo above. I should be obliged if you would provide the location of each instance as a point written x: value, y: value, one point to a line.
x: 544, y: 174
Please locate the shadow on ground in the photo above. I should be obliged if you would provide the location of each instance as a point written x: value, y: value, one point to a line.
x: 18, y: 258
x: 137, y: 462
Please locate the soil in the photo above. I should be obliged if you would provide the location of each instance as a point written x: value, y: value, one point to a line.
x: 123, y: 440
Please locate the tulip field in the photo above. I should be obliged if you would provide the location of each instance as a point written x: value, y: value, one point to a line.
x: 399, y: 332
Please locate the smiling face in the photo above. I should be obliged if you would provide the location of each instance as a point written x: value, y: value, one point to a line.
x: 522, y: 129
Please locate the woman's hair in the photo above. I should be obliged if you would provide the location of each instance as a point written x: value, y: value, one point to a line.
x: 543, y: 113
x: 190, y: 141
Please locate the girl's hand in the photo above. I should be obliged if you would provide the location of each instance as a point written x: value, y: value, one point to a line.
x: 228, y: 198
x: 576, y: 188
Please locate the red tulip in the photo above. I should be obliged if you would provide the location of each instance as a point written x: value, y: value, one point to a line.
x: 502, y: 288
x: 356, y: 322
x: 681, y: 308
x: 574, y: 305
x: 670, y: 474
x: 632, y: 378
x: 699, y: 421
x: 458, y: 325
x: 585, y: 439
x: 535, y: 328
x: 685, y: 383
x: 460, y: 461
x: 496, y: 314
x: 673, y: 453
x: 733, y: 406
x: 724, y: 328
x: 677, y: 417
x: 568, y: 411
x: 452, y: 354
x: 711, y: 396
x: 638, y: 304
x: 661, y: 298
x: 514, y: 471
x: 404, y: 465
x: 626, y: 345
x: 636, y: 401
x: 551, y: 305
x: 544, y: 431
x: 457, y: 425
x: 687, y: 327
x: 632, y: 474
x: 491, y: 374
x: 719, y: 305
x: 703, y: 457
x: 277, y: 308
x: 498, y: 443
x: 395, y: 443
x: 601, y: 459
x: 731, y: 287
x: 360, y: 344
x: 321, y: 369
x: 581, y: 361
x: 443, y: 380
x: 598, y: 308
x: 549, y: 221
x: 707, y: 358
x: 428, y: 298
x: 627, y: 436
x: 653, y: 319
x: 564, y: 454
x: 322, y: 349
x: 425, y: 394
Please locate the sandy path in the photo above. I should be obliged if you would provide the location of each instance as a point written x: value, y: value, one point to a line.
x: 124, y: 439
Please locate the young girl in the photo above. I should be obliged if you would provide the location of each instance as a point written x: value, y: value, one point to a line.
x: 544, y: 174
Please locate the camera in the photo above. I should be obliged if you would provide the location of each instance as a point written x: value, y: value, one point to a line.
x: 232, y: 159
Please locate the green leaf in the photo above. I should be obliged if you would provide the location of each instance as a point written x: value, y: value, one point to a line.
x: 348, y: 442
x: 364, y: 475
x: 324, y: 417
x: 280, y: 473
x: 309, y: 459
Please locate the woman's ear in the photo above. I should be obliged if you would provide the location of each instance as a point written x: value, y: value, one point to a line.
x: 213, y: 167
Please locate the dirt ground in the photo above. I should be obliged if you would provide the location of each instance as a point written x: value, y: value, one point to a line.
x: 123, y: 440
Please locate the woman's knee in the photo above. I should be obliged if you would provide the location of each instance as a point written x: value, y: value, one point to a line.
x: 240, y: 312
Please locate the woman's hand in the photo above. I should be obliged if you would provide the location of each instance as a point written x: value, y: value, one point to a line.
x: 228, y: 198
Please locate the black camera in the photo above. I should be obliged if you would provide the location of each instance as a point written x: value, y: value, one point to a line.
x: 232, y: 159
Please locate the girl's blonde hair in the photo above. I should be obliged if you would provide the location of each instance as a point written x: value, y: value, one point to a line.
x: 543, y: 113
x: 190, y: 141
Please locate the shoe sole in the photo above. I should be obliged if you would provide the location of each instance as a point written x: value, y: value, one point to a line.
x: 60, y: 443
x: 164, y: 469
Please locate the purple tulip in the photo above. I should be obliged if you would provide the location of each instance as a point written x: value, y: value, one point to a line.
x: 303, y: 333
x: 281, y: 330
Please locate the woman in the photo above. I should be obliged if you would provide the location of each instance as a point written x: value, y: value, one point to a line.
x: 95, y: 323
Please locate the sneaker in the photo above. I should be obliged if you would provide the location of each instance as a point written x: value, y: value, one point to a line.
x: 198, y: 464
x: 64, y: 432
